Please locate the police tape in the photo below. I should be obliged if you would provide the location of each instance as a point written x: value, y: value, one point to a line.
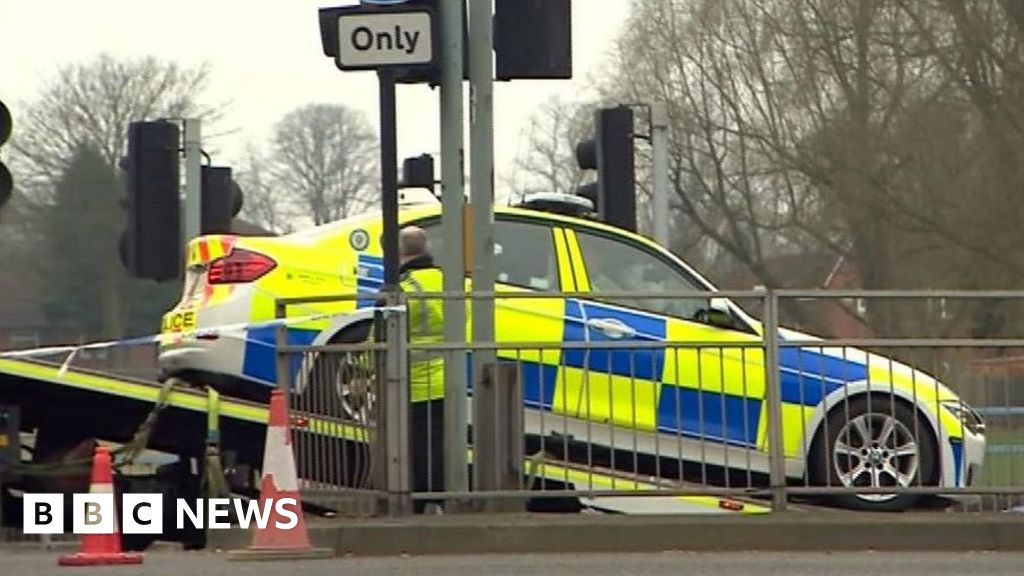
x: 235, y: 330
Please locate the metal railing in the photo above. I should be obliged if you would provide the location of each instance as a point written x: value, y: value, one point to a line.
x: 609, y: 404
x: 347, y: 412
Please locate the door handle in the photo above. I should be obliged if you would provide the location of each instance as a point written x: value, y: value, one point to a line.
x: 612, y: 327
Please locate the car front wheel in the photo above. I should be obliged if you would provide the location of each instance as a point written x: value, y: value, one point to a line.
x: 875, y: 442
x: 343, y: 384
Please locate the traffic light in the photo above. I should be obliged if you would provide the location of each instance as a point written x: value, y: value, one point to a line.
x: 6, y: 180
x: 151, y: 244
x: 610, y: 152
x: 221, y: 200
x: 418, y: 172
x: 544, y: 53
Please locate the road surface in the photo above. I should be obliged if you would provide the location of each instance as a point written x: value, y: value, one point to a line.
x: 41, y: 563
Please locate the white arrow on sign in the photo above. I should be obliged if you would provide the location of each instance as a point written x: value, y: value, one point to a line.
x: 393, y: 39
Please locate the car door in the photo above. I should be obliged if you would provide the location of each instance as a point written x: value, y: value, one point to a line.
x: 531, y: 260
x: 714, y: 393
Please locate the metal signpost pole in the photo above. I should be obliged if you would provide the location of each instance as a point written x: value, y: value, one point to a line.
x: 773, y: 401
x: 453, y: 200
x: 481, y: 185
x: 391, y: 40
x: 397, y: 463
x: 193, y: 181
x: 398, y: 468
x: 659, y: 165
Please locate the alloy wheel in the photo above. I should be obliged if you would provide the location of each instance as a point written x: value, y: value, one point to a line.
x: 354, y: 384
x: 876, y: 450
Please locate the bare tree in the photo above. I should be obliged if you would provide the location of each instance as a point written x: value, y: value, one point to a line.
x: 263, y: 206
x: 701, y: 58
x: 92, y: 103
x: 886, y: 132
x: 324, y: 161
x: 548, y: 163
x: 88, y: 106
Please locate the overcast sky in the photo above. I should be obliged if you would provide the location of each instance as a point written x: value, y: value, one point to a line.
x: 266, y: 59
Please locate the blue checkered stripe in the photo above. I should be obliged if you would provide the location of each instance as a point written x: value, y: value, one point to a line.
x: 685, y: 408
x: 369, y: 279
x: 540, y: 380
x: 958, y: 462
x: 806, y: 378
x: 640, y: 363
x: 260, y: 352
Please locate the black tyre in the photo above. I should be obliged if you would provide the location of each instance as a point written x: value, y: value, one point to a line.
x: 874, y: 442
x: 342, y: 384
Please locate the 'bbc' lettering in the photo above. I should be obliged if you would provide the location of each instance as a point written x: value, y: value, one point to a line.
x: 97, y: 513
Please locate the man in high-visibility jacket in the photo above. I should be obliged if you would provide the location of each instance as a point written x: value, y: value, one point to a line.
x: 417, y: 275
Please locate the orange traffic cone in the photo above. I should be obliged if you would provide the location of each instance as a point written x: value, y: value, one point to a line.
x: 101, y: 549
x: 280, y: 480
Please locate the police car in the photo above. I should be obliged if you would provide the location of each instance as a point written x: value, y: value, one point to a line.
x: 848, y: 417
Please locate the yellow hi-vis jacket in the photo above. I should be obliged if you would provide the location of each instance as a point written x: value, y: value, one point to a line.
x: 426, y: 326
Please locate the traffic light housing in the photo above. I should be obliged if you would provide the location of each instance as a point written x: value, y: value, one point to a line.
x: 418, y: 172
x: 151, y: 245
x: 6, y: 180
x: 544, y: 53
x: 221, y: 200
x: 610, y: 152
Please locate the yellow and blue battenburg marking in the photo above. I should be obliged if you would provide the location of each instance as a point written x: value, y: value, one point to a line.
x: 957, y: 445
x: 369, y: 278
x: 260, y: 363
x: 715, y: 394
x: 260, y: 351
x: 618, y: 386
x: 807, y: 377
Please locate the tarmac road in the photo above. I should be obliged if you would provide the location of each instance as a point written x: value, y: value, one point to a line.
x: 38, y: 563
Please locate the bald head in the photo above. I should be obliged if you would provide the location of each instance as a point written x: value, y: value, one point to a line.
x: 412, y: 243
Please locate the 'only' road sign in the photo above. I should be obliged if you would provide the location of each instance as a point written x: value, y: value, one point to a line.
x: 375, y: 40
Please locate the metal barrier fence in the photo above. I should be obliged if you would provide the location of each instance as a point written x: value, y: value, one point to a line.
x: 600, y: 400
x: 346, y: 403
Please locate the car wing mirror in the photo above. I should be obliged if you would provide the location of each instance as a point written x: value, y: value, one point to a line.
x: 718, y: 314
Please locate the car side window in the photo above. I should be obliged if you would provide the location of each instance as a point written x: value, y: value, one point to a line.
x: 524, y: 253
x: 616, y: 266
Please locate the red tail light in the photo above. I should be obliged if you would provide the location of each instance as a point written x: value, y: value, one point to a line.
x: 239, y: 266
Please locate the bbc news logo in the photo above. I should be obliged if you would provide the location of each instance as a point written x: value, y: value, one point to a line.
x: 95, y: 513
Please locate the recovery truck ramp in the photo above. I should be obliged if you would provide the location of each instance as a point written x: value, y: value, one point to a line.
x: 92, y: 404
x: 64, y: 406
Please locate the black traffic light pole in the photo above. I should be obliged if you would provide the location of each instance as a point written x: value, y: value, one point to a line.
x: 389, y: 177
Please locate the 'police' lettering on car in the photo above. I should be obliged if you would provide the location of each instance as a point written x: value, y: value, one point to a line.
x: 179, y: 321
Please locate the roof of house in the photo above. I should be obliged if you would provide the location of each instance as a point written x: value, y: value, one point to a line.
x: 799, y: 271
